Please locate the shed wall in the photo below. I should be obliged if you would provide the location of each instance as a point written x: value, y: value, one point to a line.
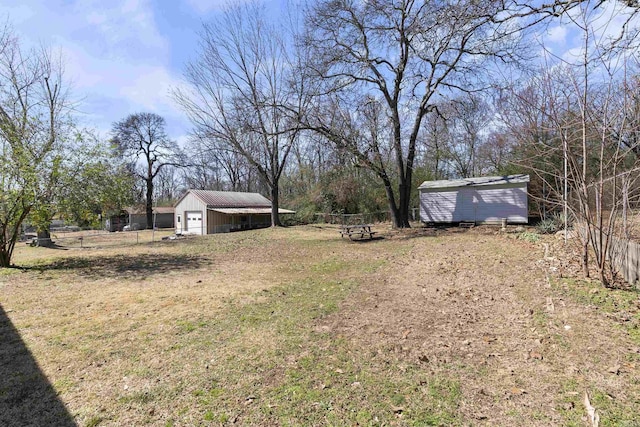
x: 190, y: 203
x: 475, y: 204
x: 218, y: 222
x: 224, y: 223
x: 138, y: 221
x: 164, y: 220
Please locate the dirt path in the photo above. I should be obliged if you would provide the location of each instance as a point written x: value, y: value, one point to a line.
x: 480, y: 310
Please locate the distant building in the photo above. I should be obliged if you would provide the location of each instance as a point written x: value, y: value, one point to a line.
x: 135, y: 218
x: 208, y: 212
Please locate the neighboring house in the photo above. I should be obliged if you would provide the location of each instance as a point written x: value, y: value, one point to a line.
x: 116, y: 222
x: 135, y: 218
x: 487, y: 199
x: 208, y: 212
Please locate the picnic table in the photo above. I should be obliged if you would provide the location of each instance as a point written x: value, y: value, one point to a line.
x: 358, y: 230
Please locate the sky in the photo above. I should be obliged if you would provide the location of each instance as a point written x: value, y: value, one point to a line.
x: 124, y: 56
x: 121, y: 57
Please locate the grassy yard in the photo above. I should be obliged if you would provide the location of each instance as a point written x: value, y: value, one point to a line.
x: 296, y: 326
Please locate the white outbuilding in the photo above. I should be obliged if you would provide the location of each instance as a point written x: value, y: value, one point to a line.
x: 489, y: 199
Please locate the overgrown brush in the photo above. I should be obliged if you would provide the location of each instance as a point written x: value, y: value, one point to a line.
x: 551, y: 224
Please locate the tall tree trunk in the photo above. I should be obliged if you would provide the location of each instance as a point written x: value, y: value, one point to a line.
x: 5, y: 258
x: 405, y: 197
x: 393, y: 207
x: 8, y: 238
x: 149, y: 203
x: 585, y: 249
x: 44, y: 238
x: 275, y: 216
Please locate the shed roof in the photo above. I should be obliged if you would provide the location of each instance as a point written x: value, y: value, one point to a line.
x: 247, y: 211
x: 475, y: 182
x: 141, y: 210
x: 229, y: 199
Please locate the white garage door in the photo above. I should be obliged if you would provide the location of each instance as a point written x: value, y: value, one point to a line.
x: 194, y: 222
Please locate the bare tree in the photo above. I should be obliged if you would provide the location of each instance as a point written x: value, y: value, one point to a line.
x: 215, y: 167
x: 436, y: 146
x: 468, y: 118
x: 142, y: 136
x: 204, y: 172
x: 241, y: 92
x: 496, y: 153
x: 166, y: 185
x: 575, y: 124
x: 406, y: 54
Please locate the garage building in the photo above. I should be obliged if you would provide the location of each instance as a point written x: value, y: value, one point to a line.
x: 209, y: 212
x: 486, y: 199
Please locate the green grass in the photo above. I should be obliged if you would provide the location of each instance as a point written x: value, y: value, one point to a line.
x: 529, y: 236
x: 257, y: 331
x: 298, y: 376
x: 93, y: 421
x: 623, y: 307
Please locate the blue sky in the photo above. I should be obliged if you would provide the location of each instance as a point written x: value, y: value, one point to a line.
x: 123, y: 56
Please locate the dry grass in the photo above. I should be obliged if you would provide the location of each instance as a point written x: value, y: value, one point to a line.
x: 298, y: 327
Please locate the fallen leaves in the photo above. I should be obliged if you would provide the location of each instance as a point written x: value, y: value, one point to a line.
x: 489, y: 339
x: 535, y: 355
x: 516, y: 391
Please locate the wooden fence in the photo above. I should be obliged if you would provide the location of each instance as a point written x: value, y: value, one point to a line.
x: 624, y: 255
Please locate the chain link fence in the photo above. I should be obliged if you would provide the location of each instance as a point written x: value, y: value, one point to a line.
x: 352, y: 219
x: 72, y: 238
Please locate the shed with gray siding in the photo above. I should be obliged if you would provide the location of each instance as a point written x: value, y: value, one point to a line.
x: 488, y: 199
x: 162, y: 217
x: 135, y: 218
x: 209, y: 212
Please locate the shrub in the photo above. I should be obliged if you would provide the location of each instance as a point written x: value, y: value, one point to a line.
x: 528, y: 236
x: 548, y: 226
x: 552, y: 224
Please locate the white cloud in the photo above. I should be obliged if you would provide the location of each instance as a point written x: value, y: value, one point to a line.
x: 118, y: 60
x: 557, y: 34
x: 206, y: 6
x: 149, y: 87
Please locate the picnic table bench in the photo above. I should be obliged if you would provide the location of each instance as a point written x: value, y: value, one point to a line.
x: 361, y: 230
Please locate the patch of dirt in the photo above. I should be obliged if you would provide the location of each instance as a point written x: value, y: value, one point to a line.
x: 480, y: 308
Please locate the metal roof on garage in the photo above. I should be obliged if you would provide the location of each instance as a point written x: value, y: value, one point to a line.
x: 229, y: 199
x: 475, y: 182
x: 248, y: 211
